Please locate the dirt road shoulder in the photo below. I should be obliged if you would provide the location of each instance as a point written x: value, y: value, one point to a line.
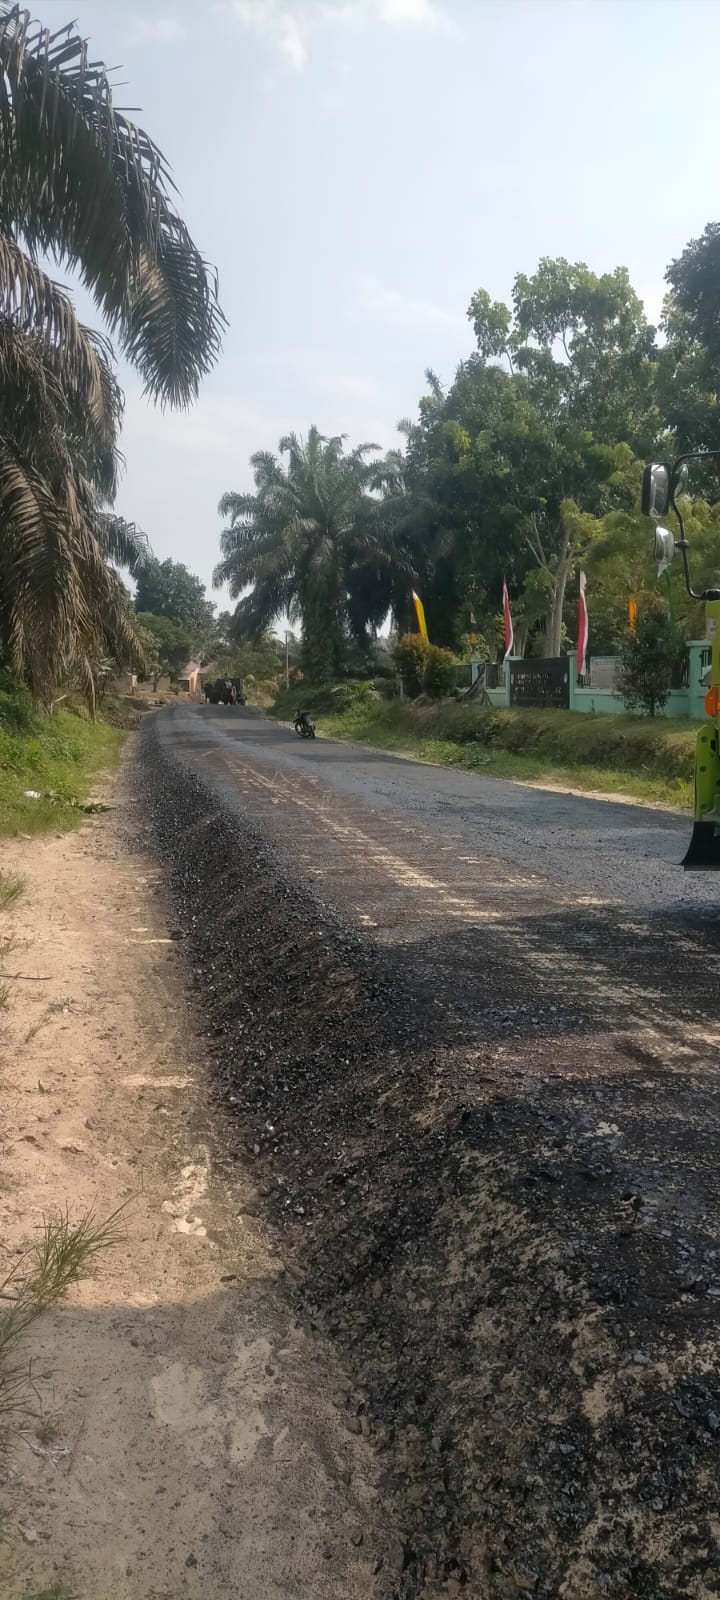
x: 187, y: 1442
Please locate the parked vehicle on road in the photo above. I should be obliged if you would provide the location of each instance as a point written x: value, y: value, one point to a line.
x: 661, y: 486
x: 225, y: 692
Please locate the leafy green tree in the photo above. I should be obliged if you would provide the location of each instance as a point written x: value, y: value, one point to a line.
x: 168, y: 589
x: 262, y: 658
x: 647, y: 658
x: 620, y: 563
x: 446, y: 500
x: 539, y: 429
x: 582, y: 363
x: 689, y: 363
x: 82, y: 185
x: 301, y: 544
x: 168, y: 645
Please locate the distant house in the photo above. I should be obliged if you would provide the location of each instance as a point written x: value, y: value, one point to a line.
x: 191, y: 677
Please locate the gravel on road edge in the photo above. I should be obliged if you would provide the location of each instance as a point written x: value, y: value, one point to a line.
x: 537, y: 1367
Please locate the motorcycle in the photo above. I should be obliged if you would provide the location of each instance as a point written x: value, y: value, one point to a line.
x: 303, y: 726
x: 661, y: 486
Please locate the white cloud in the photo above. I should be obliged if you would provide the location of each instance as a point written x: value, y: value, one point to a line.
x: 157, y: 30
x: 412, y: 14
x: 372, y: 295
x: 289, y: 27
x: 269, y: 19
x: 314, y: 371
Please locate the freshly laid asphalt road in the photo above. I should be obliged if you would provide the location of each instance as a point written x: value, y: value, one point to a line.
x: 622, y: 852
x: 469, y: 1029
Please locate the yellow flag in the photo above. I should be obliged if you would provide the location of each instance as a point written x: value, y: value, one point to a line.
x: 420, y: 614
x: 632, y: 612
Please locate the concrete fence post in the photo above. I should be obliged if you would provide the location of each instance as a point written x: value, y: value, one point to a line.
x: 506, y: 677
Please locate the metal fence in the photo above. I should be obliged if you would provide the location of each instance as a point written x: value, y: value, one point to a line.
x: 605, y: 672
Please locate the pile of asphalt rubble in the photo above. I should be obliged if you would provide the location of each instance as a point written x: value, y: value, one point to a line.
x: 506, y: 1323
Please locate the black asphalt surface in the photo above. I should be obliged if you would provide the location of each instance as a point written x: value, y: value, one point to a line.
x: 467, y: 1032
x: 606, y: 848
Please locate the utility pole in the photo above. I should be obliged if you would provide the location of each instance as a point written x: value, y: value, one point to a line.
x: 287, y: 659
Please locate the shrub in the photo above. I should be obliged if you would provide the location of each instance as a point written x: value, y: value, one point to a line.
x: 16, y: 708
x: 342, y: 697
x: 647, y: 659
x: 439, y: 672
x: 409, y: 653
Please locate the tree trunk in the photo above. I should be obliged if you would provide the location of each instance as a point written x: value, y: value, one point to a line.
x: 321, y: 647
x: 554, y: 633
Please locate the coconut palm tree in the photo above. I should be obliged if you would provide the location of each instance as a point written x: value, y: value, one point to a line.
x: 84, y: 187
x: 302, y: 543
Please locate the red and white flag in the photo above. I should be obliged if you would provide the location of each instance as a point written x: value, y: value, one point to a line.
x: 509, y: 634
x: 582, y: 629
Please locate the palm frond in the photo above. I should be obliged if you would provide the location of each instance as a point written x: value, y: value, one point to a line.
x: 313, y: 540
x: 122, y: 542
x: 45, y: 386
x: 82, y: 183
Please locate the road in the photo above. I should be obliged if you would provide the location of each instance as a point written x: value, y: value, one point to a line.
x: 485, y: 1016
x: 627, y: 853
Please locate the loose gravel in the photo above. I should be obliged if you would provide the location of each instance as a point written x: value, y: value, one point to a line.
x: 520, y: 1268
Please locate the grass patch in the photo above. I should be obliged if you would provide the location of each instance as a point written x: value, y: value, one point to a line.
x: 38, y: 1279
x: 649, y: 758
x: 58, y: 1591
x: 57, y: 757
x: 11, y: 888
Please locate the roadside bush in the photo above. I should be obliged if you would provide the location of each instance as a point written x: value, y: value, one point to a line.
x: 342, y: 697
x: 653, y: 747
x: 648, y: 658
x: 409, y: 654
x: 319, y: 701
x: 620, y: 743
x: 16, y: 708
x: 439, y: 672
x: 386, y: 688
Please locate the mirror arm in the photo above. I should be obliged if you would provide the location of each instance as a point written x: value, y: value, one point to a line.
x: 683, y: 547
x: 682, y: 544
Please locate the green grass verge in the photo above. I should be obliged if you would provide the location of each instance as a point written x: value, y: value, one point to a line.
x: 57, y: 1592
x: 60, y: 755
x: 650, y: 759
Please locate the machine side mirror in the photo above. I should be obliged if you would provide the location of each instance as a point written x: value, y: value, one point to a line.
x: 663, y: 548
x: 655, y: 496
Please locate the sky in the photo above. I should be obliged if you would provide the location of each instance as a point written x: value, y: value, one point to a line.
x: 355, y: 169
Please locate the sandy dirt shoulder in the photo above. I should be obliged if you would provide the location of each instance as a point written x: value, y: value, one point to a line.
x: 189, y: 1438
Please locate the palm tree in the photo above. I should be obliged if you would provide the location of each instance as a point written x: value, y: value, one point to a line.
x: 303, y: 544
x: 80, y: 185
x: 413, y: 527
